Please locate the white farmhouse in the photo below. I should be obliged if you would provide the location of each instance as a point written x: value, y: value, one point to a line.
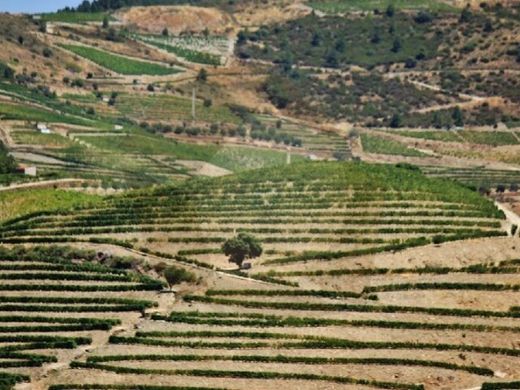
x: 30, y: 171
x: 42, y: 127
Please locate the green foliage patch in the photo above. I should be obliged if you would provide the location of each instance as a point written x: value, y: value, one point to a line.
x: 120, y: 64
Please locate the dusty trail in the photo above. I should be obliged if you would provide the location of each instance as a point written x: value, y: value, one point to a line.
x: 511, y: 216
x: 46, y: 184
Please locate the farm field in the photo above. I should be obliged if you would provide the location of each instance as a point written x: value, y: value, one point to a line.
x: 229, y: 157
x: 486, y: 178
x: 491, y: 138
x: 202, y: 50
x: 161, y: 107
x: 132, y: 158
x: 9, y: 111
x: 317, y: 309
x: 445, y: 136
x: 320, y: 143
x: 262, y: 335
x: 380, y: 145
x: 313, y: 214
x: 119, y: 64
x: 83, y: 301
x: 14, y: 204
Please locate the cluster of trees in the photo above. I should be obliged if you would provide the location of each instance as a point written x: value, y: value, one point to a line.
x: 334, y: 42
x: 174, y: 275
x: 259, y: 132
x: 271, y: 134
x: 106, y: 5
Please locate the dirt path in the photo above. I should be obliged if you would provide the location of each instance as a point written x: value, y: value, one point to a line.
x: 45, y: 184
x: 5, y: 137
x: 202, y: 168
x: 38, y: 158
x: 511, y: 216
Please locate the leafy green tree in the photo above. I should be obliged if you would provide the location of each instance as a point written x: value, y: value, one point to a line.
x: 376, y: 37
x: 488, y: 26
x: 395, y: 121
x: 423, y: 17
x: 390, y: 10
x: 84, y: 6
x: 112, y: 35
x: 203, y: 75
x: 437, y: 120
x: 410, y: 63
x: 397, y: 45
x: 241, y: 247
x: 287, y: 61
x: 341, y: 45
x: 458, y: 117
x: 42, y: 26
x: 8, y: 72
x: 106, y: 22
x: 47, y: 52
x: 7, y: 163
x: 316, y: 39
x: 465, y: 15
x: 331, y: 59
x: 241, y: 38
x: 176, y: 275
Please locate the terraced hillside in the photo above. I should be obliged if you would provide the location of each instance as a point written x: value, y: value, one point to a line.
x: 478, y: 178
x: 302, y: 212
x: 359, y: 330
x: 56, y: 303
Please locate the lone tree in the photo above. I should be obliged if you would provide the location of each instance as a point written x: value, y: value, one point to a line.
x: 458, y: 117
x: 390, y: 10
x: 395, y: 121
x: 241, y: 247
x: 203, y: 75
x: 397, y: 45
x: 106, y: 22
x: 465, y: 15
x: 176, y: 275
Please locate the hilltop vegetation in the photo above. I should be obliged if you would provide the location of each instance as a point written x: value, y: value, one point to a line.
x: 369, y: 100
x: 335, y: 41
x: 339, y: 6
x: 316, y: 53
